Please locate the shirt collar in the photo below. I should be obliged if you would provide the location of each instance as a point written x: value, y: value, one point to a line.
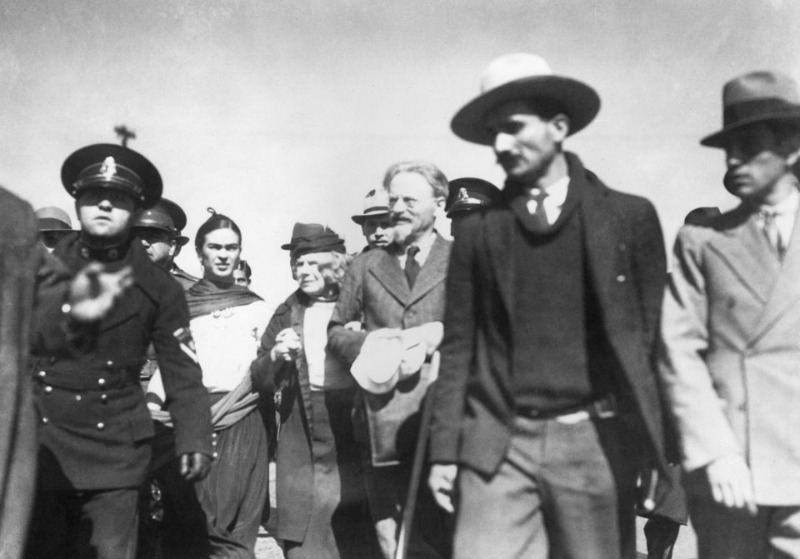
x: 556, y: 192
x: 788, y: 206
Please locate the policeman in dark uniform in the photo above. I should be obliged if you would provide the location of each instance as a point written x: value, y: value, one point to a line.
x: 94, y: 445
x: 466, y: 195
x: 159, y: 229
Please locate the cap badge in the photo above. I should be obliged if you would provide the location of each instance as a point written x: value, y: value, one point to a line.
x: 463, y: 195
x: 109, y: 168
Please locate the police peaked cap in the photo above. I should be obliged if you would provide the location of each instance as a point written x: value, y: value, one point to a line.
x: 115, y: 167
x: 468, y: 193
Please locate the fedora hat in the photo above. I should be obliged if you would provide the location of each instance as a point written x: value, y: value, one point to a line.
x: 518, y: 76
x: 51, y: 219
x: 755, y: 97
x: 165, y: 215
x: 377, y: 367
x: 376, y: 204
x: 115, y: 167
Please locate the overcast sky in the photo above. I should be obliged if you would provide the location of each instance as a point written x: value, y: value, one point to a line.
x: 276, y: 111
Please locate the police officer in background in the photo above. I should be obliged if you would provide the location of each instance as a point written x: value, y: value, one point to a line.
x: 469, y: 194
x: 159, y: 228
x: 54, y: 224
x: 94, y: 432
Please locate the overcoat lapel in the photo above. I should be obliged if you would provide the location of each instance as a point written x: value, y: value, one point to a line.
x: 786, y: 291
x: 499, y: 232
x: 433, y: 271
x: 298, y: 311
x: 391, y: 277
x: 749, y: 257
x: 601, y: 238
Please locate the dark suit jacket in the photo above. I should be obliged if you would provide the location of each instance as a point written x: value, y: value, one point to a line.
x: 376, y: 293
x: 474, y: 407
x: 94, y: 424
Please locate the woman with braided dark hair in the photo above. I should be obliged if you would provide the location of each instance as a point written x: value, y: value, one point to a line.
x: 227, y: 321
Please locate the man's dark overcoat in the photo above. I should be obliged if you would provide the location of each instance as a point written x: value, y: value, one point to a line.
x: 624, y: 251
x: 94, y: 424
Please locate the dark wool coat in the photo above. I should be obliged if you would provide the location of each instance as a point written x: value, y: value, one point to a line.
x: 295, y: 466
x: 94, y: 425
x: 474, y: 407
x: 25, y: 269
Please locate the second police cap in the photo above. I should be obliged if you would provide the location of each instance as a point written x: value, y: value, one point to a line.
x: 469, y: 193
x: 115, y: 167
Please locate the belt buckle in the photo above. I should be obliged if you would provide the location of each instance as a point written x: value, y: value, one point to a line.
x: 605, y: 408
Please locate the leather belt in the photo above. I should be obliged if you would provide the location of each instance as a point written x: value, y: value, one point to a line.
x: 602, y: 408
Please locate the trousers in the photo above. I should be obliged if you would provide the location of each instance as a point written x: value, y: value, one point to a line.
x: 563, y: 491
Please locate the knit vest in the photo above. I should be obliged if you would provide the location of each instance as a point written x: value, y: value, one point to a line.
x: 560, y: 355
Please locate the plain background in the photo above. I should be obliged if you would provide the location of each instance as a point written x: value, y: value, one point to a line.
x: 276, y: 111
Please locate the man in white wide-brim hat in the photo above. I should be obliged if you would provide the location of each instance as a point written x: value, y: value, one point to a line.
x: 730, y: 346
x: 553, y: 300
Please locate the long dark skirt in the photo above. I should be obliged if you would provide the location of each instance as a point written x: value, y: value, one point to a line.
x: 339, y: 526
x: 219, y: 517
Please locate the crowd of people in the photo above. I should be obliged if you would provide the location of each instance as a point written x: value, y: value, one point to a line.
x: 524, y: 390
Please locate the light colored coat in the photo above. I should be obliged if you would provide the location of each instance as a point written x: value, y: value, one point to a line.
x: 730, y: 351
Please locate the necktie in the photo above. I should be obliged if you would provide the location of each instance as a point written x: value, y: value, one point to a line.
x: 539, y: 214
x: 412, y: 266
x: 772, y: 232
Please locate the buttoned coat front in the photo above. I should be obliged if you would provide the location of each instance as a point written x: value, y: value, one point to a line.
x: 94, y: 424
x: 730, y: 351
x: 474, y: 409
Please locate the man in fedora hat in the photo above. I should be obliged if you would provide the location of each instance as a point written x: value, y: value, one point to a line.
x: 160, y: 230
x: 396, y: 290
x: 729, y: 333
x: 546, y: 401
x: 54, y: 224
x: 374, y: 221
x: 469, y: 194
x: 94, y: 427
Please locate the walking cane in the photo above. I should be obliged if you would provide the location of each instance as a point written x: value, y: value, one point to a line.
x: 419, y: 462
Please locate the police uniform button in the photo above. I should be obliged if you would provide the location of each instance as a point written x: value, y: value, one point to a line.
x: 109, y: 363
x: 48, y: 389
x: 101, y: 426
x: 78, y: 397
x: 45, y: 420
x: 42, y: 374
x: 215, y: 455
x: 621, y: 278
x: 101, y: 381
x: 214, y: 436
x: 104, y: 398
